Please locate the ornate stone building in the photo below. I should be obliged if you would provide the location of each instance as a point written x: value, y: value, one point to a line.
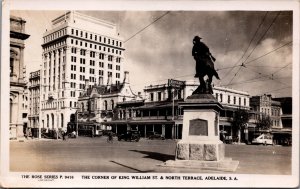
x: 17, y: 83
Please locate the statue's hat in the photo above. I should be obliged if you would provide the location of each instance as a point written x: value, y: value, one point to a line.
x: 197, y: 37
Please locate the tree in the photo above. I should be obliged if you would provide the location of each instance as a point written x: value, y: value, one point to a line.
x: 264, y: 122
x: 240, y: 118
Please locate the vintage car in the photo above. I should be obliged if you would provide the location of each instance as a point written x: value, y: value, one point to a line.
x: 263, y: 139
x: 130, y: 136
x: 154, y: 135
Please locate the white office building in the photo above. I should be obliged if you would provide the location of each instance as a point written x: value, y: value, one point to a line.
x: 76, y: 48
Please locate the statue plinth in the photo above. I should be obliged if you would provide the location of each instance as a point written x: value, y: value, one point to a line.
x: 200, y: 146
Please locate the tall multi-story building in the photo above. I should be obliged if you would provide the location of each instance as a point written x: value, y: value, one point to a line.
x: 76, y: 48
x: 34, y: 99
x: 17, y: 83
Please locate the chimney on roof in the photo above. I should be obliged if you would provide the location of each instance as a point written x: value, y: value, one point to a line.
x: 86, y: 84
x: 126, y: 77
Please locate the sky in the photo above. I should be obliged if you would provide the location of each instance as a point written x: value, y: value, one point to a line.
x: 253, y: 48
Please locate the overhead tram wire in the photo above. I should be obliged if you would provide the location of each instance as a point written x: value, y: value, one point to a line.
x: 262, y: 21
x: 288, y: 43
x: 275, y: 18
x: 242, y: 65
x: 147, y: 26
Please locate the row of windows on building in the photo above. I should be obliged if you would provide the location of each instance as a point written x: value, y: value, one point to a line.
x: 58, y: 105
x: 95, y: 37
x: 55, y: 35
x: 93, y: 46
x: 274, y: 112
x: 55, y: 46
x: 92, y: 63
x: 92, y: 106
x: 83, y: 34
x: 219, y: 97
x: 101, y: 57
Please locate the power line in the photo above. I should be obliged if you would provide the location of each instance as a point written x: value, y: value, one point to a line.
x: 249, y: 43
x: 256, y: 45
x: 288, y: 43
x: 147, y: 26
x: 262, y: 37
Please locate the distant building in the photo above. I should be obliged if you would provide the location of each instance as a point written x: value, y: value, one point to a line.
x: 265, y: 106
x: 17, y: 83
x: 283, y: 135
x: 97, y: 104
x: 76, y: 48
x: 34, y: 99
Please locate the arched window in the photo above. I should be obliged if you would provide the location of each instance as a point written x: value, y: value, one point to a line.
x: 47, y: 120
x: 105, y: 105
x: 112, y: 104
x: 52, y: 120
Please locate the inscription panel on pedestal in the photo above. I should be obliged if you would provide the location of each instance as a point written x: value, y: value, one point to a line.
x: 198, y: 127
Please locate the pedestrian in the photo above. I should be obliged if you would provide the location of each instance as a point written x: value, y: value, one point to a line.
x: 63, y: 134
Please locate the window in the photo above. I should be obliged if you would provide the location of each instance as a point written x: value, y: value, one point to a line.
x: 72, y: 31
x: 71, y: 41
x: 92, y: 71
x: 100, y: 72
x: 234, y: 100
x: 217, y: 96
x: 240, y: 101
x: 82, y: 52
x: 221, y: 97
x: 73, y: 50
x: 82, y: 61
x: 101, y: 64
x: 109, y: 73
x: 76, y: 32
x: 92, y: 62
x: 117, y: 75
x: 118, y: 59
x: 101, y: 56
x: 244, y: 101
x: 117, y: 67
x: 110, y: 57
x: 151, y: 97
x: 70, y: 103
x: 109, y: 66
x: 228, y: 101
x: 159, y: 96
x: 92, y: 54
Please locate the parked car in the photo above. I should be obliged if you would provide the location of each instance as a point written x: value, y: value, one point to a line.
x: 263, y: 139
x: 130, y: 136
x: 154, y: 135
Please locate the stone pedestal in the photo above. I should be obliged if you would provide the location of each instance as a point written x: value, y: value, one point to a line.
x: 200, y: 146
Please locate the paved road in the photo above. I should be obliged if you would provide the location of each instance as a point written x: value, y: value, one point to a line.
x: 96, y: 155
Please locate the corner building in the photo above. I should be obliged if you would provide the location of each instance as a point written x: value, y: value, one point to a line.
x: 76, y: 48
x: 17, y: 83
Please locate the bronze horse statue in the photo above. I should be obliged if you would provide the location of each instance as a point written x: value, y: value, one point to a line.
x: 204, y: 66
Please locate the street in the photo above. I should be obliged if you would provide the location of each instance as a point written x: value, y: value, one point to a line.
x: 86, y: 154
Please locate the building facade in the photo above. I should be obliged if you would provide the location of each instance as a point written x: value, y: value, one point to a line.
x: 77, y: 48
x: 34, y: 99
x: 97, y: 104
x: 17, y: 83
x: 161, y: 111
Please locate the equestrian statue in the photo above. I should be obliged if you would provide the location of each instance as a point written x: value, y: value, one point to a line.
x: 204, y: 66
